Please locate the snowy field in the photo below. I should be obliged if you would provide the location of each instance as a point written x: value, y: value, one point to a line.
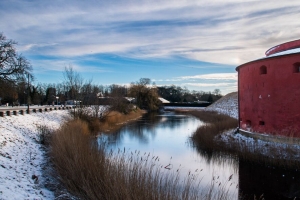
x: 22, y: 156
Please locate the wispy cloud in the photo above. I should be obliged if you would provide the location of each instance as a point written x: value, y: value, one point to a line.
x: 227, y: 32
x: 218, y: 76
x: 187, y: 28
x: 211, y: 84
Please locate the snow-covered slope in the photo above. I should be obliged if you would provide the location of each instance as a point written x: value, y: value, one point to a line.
x: 227, y: 105
x: 22, y: 156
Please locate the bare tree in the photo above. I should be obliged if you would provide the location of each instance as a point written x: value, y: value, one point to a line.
x: 12, y: 65
x: 73, y: 82
x: 217, y: 92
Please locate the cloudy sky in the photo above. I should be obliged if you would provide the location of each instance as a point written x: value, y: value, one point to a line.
x: 189, y: 43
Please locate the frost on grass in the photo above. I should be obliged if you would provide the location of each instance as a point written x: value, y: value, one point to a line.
x: 270, y: 149
x: 22, y: 156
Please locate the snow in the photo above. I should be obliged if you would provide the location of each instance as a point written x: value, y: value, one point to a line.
x: 163, y: 100
x: 257, y: 146
x: 227, y: 105
x: 22, y: 157
x: 289, y: 51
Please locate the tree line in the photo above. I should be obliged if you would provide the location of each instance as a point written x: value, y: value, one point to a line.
x: 17, y: 88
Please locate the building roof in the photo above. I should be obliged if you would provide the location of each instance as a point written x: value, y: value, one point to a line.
x: 288, y: 48
x: 283, y: 47
x: 281, y: 53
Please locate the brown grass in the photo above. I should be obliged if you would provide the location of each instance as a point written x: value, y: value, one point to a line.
x: 111, y: 120
x: 89, y: 172
x: 283, y: 155
x: 206, y: 138
x: 114, y: 120
x: 215, y: 125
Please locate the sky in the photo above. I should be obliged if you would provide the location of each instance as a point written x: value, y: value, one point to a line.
x: 195, y: 44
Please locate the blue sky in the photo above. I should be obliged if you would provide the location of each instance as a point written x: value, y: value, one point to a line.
x: 193, y: 44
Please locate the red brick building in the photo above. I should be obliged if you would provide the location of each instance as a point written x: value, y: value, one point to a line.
x: 269, y: 92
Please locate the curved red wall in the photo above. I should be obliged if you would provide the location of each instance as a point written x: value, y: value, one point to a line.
x: 270, y: 103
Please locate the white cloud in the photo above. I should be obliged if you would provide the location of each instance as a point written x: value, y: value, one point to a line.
x: 211, y: 84
x: 228, y: 32
x: 191, y: 29
x: 217, y: 76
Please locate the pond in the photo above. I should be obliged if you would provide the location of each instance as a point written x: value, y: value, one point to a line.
x: 167, y: 136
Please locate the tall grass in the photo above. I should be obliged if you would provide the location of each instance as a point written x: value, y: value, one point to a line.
x: 90, y: 172
x: 110, y: 121
x: 215, y: 124
x: 206, y: 138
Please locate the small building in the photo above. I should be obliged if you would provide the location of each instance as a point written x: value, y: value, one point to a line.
x: 269, y: 92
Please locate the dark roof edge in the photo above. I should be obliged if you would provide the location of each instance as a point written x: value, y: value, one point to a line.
x: 265, y: 58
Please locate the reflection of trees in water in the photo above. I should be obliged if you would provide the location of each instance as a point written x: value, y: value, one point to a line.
x: 216, y: 157
x: 255, y: 178
x: 146, y: 128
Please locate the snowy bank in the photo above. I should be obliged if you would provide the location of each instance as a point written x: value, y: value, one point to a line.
x: 22, y: 156
x: 227, y: 105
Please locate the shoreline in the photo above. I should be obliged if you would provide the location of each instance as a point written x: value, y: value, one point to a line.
x: 23, y: 158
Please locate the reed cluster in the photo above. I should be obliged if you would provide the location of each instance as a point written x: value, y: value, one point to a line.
x: 207, y: 138
x: 215, y: 124
x: 109, y: 121
x: 90, y: 172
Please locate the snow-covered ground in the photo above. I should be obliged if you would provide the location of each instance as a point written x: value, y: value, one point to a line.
x: 22, y: 156
x: 227, y: 105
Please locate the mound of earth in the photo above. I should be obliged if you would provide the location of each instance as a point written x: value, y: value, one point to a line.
x: 227, y: 105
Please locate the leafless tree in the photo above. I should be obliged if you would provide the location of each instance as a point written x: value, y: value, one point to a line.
x: 12, y: 65
x: 73, y: 82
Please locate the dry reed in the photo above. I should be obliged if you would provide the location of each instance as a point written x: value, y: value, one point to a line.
x: 206, y: 138
x: 89, y: 172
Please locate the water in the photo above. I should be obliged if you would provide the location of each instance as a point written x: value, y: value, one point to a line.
x: 168, y: 137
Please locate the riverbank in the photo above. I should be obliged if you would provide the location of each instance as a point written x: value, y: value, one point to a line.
x: 229, y: 140
x: 91, y: 171
x: 22, y: 156
x: 115, y: 120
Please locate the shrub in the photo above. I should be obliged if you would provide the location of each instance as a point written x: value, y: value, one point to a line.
x: 44, y: 134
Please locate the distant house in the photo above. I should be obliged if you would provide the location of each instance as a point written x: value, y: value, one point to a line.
x: 269, y: 92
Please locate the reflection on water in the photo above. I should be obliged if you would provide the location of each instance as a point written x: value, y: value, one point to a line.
x: 272, y: 182
x: 167, y: 136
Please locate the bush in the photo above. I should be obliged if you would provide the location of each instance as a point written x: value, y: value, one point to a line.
x: 44, y: 134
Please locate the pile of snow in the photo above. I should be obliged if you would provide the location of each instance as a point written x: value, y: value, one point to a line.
x: 22, y: 157
x: 227, y: 105
x: 163, y: 100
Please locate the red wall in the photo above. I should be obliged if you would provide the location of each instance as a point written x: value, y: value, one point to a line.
x: 272, y: 98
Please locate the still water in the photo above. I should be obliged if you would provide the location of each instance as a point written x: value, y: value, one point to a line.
x: 167, y: 136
